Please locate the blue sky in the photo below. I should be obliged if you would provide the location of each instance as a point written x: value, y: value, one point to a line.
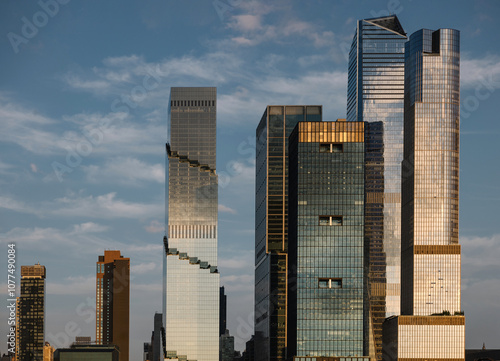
x: 84, y: 90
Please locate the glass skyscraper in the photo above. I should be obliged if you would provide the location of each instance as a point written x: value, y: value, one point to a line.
x: 271, y: 226
x: 326, y: 239
x: 432, y: 325
x: 375, y: 94
x: 30, y: 325
x: 191, y: 278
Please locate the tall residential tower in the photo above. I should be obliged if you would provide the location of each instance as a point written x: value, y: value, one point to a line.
x: 375, y: 94
x: 191, y: 279
x: 432, y: 325
x: 113, y: 301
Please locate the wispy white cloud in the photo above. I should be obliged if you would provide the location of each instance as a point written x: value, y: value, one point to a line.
x: 72, y: 285
x: 226, y: 209
x: 130, y: 171
x: 480, y: 257
x: 106, y: 206
x: 155, y: 227
x: 8, y: 202
x: 79, y: 238
x: 143, y: 268
x: 480, y: 71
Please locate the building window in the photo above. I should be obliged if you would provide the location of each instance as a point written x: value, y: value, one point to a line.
x: 331, y: 147
x: 330, y: 220
x: 330, y: 283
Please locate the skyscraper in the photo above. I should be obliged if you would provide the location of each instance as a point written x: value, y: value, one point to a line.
x: 191, y: 278
x: 222, y: 312
x: 432, y: 325
x: 271, y: 226
x: 113, y: 301
x: 31, y: 314
x: 375, y: 93
x: 326, y: 239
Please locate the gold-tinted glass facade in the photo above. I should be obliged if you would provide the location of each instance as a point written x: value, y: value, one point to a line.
x: 419, y: 338
x: 376, y: 94
x: 432, y: 327
x: 271, y: 225
x: 431, y: 174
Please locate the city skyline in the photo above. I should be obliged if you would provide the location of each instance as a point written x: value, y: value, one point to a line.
x: 111, y: 197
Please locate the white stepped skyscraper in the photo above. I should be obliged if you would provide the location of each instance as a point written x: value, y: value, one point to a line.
x: 191, y: 278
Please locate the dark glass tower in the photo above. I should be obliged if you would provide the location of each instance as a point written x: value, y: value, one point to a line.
x: 271, y: 226
x: 326, y: 239
x: 191, y: 279
x: 432, y: 325
x: 222, y: 312
x: 113, y: 301
x: 375, y: 94
x: 31, y: 314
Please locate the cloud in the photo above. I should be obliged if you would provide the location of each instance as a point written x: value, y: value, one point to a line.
x: 238, y: 283
x: 252, y: 29
x: 483, y: 71
x: 79, y: 285
x: 142, y: 268
x: 73, y: 240
x: 481, y: 288
x: 12, y: 204
x: 225, y: 209
x: 26, y: 128
x: 89, y: 227
x: 106, y: 206
x: 125, y: 170
x: 480, y: 257
x: 155, y: 227
x: 147, y: 248
x: 246, y: 22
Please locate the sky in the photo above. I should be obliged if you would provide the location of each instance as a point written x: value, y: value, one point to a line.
x: 83, y: 124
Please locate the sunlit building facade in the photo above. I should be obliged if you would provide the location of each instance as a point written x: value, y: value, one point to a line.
x: 271, y: 225
x: 326, y: 239
x: 113, y: 301
x: 30, y: 326
x: 375, y: 94
x: 191, y: 279
x: 432, y: 325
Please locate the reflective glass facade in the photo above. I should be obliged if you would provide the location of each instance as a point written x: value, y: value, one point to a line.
x: 326, y: 239
x: 271, y: 226
x: 31, y: 314
x: 432, y: 326
x: 424, y: 338
x: 375, y: 94
x: 431, y: 253
x: 191, y: 279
